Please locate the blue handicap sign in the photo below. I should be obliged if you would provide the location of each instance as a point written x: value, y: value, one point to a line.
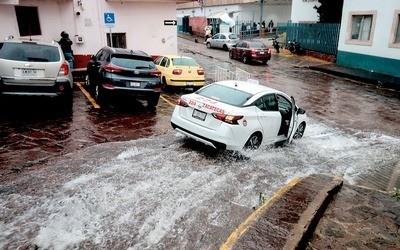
x: 109, y: 18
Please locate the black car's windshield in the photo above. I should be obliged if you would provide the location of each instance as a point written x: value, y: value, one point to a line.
x: 132, y: 62
x: 184, y: 62
x: 257, y: 45
x: 29, y: 52
x: 225, y: 94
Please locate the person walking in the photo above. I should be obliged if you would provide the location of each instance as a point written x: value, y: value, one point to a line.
x: 65, y: 44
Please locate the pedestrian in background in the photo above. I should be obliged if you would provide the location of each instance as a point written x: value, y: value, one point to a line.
x: 65, y: 44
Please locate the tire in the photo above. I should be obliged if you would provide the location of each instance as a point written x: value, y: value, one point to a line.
x: 230, y: 54
x: 152, y: 101
x: 87, y: 81
x: 99, y: 95
x: 66, y: 101
x: 208, y: 45
x: 245, y: 60
x: 164, y: 85
x: 265, y: 62
x: 225, y: 47
x: 299, y: 131
x: 254, y: 141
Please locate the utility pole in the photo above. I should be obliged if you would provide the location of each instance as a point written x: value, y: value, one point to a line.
x: 261, y: 11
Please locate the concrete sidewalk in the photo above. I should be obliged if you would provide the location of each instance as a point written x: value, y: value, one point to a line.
x: 380, y: 80
x: 316, y: 212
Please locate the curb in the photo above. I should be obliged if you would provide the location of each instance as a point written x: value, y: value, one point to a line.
x: 288, y: 219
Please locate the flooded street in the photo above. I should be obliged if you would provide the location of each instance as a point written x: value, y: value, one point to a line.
x: 122, y: 178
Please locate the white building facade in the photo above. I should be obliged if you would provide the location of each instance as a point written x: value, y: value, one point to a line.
x: 139, y: 24
x: 279, y: 11
x: 370, y: 36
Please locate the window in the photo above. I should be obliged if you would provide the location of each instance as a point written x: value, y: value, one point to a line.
x: 284, y: 104
x: 233, y: 36
x: 257, y: 45
x: 225, y: 94
x: 158, y: 60
x: 215, y: 36
x: 118, y: 40
x: 361, y: 28
x: 29, y: 52
x: 99, y: 55
x: 163, y: 62
x: 267, y: 103
x: 222, y: 37
x: 28, y: 21
x: 395, y: 34
x: 132, y: 62
x: 182, y: 61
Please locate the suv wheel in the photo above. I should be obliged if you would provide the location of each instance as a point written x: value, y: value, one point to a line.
x: 87, y: 80
x: 99, y: 95
x: 152, y: 101
x: 225, y: 47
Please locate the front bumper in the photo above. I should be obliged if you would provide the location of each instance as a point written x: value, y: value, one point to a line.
x: 59, y: 88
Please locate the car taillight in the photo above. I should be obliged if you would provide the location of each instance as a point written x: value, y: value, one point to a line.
x: 253, y: 51
x: 112, y: 69
x: 269, y: 51
x: 200, y: 72
x: 64, y: 69
x: 155, y: 73
x: 177, y: 71
x: 182, y: 103
x: 231, y: 119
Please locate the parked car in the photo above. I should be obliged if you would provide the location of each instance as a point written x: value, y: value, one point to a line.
x: 34, y: 68
x: 222, y: 40
x: 250, y: 51
x: 123, y: 72
x: 235, y: 115
x: 180, y: 71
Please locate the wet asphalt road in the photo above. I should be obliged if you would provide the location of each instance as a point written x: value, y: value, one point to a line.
x: 62, y: 187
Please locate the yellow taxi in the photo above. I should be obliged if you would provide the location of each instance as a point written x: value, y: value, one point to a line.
x: 180, y: 71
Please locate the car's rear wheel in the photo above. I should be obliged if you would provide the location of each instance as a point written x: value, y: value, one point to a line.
x: 208, y: 45
x: 265, y: 62
x: 87, y: 80
x: 225, y: 47
x: 300, y: 131
x: 152, y: 101
x: 245, y: 60
x: 254, y: 141
x: 164, y: 85
x: 99, y: 95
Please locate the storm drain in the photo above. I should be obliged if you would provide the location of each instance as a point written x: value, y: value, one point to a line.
x: 384, y: 178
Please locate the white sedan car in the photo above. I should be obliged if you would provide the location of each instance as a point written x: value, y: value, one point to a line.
x: 234, y: 115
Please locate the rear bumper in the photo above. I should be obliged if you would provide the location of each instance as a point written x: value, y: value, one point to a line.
x: 59, y: 88
x: 185, y: 83
x: 261, y: 58
x: 225, y: 137
x: 136, y: 92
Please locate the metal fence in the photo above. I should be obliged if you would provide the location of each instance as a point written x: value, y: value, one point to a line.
x: 321, y: 37
x: 223, y: 74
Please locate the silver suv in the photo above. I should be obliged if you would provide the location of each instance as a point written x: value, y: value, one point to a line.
x: 35, y: 69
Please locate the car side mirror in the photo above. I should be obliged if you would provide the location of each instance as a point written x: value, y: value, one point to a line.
x: 301, y: 111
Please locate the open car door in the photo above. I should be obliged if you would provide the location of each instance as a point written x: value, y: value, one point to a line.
x: 293, y: 121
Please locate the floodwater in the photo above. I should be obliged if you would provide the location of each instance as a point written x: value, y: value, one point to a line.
x: 147, y: 187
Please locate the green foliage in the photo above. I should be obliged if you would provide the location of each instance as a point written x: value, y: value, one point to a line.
x: 330, y: 11
x: 396, y: 193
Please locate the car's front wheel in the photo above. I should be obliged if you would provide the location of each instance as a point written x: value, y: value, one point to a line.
x: 300, y: 131
x: 208, y: 45
x: 254, y: 141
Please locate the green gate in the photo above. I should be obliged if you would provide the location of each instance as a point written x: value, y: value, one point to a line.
x: 321, y: 37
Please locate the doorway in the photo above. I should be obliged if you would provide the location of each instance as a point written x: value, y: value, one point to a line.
x: 118, y: 40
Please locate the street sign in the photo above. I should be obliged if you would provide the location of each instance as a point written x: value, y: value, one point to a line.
x: 170, y: 22
x: 109, y: 19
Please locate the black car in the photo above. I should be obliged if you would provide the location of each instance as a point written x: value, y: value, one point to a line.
x: 114, y: 71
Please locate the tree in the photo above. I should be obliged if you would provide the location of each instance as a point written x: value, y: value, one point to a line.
x: 330, y: 11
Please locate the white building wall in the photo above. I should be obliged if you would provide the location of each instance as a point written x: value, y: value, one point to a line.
x: 303, y: 11
x: 383, y: 26
x: 142, y: 22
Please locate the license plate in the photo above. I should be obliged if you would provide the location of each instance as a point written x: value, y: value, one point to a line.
x: 199, y: 115
x: 21, y: 72
x: 134, y: 84
x: 189, y: 83
x: 262, y: 53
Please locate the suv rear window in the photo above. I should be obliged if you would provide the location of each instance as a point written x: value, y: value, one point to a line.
x: 132, y: 62
x: 29, y: 52
x: 257, y: 45
x: 225, y: 94
x: 233, y: 36
x: 184, y: 62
